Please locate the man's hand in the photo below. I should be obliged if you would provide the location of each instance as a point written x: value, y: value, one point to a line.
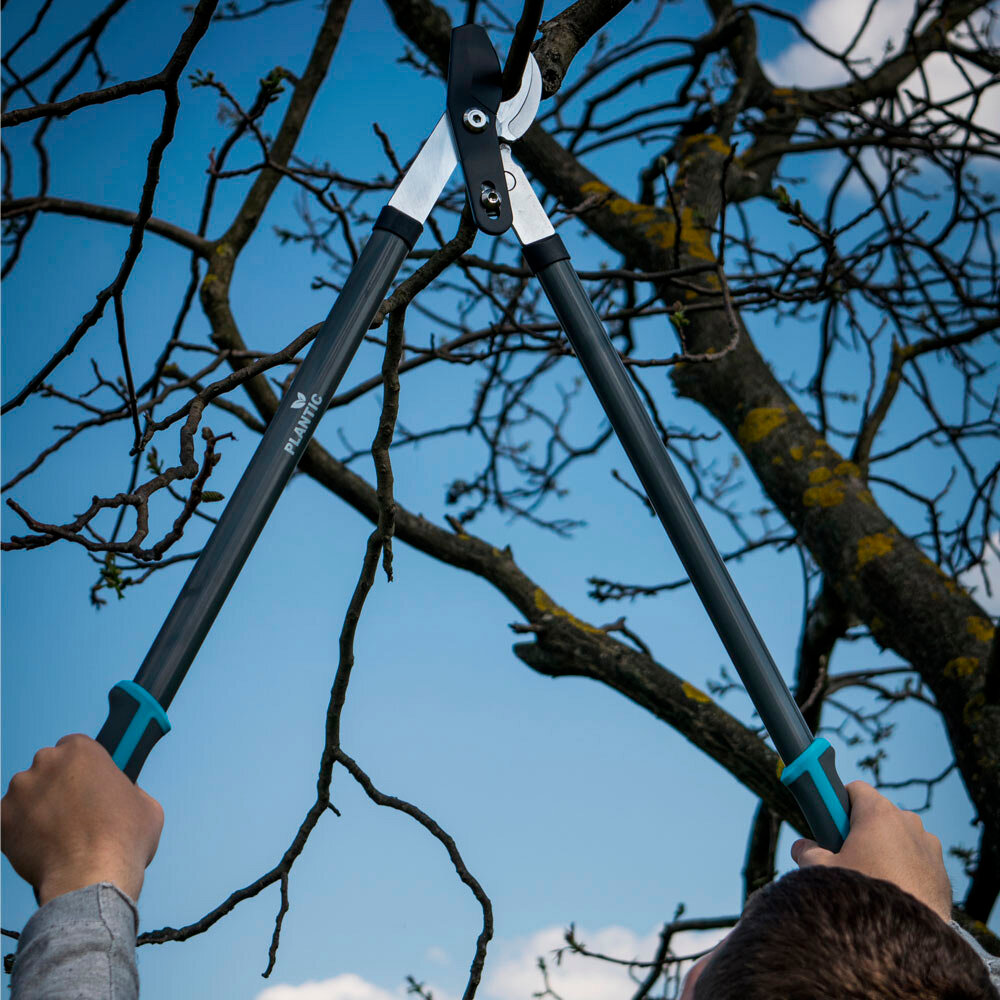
x: 886, y: 842
x: 73, y: 819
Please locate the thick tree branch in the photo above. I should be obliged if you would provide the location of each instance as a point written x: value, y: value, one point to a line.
x: 880, y: 575
x: 565, y: 34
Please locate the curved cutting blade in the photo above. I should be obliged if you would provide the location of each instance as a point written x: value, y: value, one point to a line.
x: 516, y: 115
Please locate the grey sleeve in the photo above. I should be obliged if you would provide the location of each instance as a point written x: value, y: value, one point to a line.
x: 79, y: 946
x: 992, y: 962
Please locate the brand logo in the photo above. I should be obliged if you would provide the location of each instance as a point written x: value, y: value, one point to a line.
x: 309, y: 408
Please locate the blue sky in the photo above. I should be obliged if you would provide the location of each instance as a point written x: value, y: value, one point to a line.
x: 568, y: 802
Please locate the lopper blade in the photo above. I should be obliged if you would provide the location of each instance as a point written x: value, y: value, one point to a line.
x: 516, y: 115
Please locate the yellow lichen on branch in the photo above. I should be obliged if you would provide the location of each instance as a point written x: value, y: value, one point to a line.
x: 702, y: 141
x: 830, y: 487
x: 656, y: 225
x: 695, y: 694
x: 760, y: 422
x: 961, y: 666
x: 547, y: 606
x: 828, y: 495
x: 694, y: 237
x: 980, y: 628
x: 872, y: 547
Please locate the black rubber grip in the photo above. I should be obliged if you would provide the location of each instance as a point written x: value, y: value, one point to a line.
x: 392, y: 220
x: 121, y: 709
x: 146, y: 743
x: 819, y: 804
x: 135, y: 723
x: 545, y: 252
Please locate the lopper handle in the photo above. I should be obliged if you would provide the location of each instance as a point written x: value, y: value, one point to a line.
x: 812, y: 778
x: 810, y: 775
x: 135, y: 722
x: 137, y: 709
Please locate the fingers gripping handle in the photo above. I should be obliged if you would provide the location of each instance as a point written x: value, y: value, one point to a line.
x: 135, y: 722
x: 812, y: 778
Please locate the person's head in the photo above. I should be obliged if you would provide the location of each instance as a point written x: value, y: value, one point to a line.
x: 827, y: 933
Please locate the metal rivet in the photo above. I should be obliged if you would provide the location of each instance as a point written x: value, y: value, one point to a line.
x: 490, y: 200
x: 475, y: 120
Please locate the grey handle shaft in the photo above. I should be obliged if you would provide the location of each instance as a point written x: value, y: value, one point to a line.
x: 280, y: 448
x: 674, y: 507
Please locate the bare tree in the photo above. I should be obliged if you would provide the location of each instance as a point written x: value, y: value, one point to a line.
x: 711, y: 243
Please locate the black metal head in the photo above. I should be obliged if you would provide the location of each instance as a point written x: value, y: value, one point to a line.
x: 474, y: 87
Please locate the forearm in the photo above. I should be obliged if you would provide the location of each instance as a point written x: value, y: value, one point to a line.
x: 80, y: 944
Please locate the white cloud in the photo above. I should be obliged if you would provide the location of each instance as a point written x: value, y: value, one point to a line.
x: 835, y: 22
x: 514, y: 973
x: 438, y: 955
x: 344, y: 987
x: 512, y: 968
x: 972, y: 579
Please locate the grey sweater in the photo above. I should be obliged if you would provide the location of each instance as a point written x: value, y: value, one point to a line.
x: 992, y: 962
x: 81, y: 946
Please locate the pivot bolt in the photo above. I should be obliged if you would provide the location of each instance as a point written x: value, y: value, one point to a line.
x: 475, y: 120
x: 490, y: 199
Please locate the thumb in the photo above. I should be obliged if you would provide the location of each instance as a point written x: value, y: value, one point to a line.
x: 806, y: 853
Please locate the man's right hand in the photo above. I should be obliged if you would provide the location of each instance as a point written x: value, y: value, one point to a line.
x: 73, y: 819
x: 888, y: 843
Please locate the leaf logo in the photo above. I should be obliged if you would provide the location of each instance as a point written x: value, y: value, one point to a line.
x: 300, y: 401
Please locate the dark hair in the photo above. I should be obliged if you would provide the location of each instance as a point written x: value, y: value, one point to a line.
x: 835, y: 934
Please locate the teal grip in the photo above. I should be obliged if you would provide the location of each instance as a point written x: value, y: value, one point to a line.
x: 136, y: 720
x: 812, y: 778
